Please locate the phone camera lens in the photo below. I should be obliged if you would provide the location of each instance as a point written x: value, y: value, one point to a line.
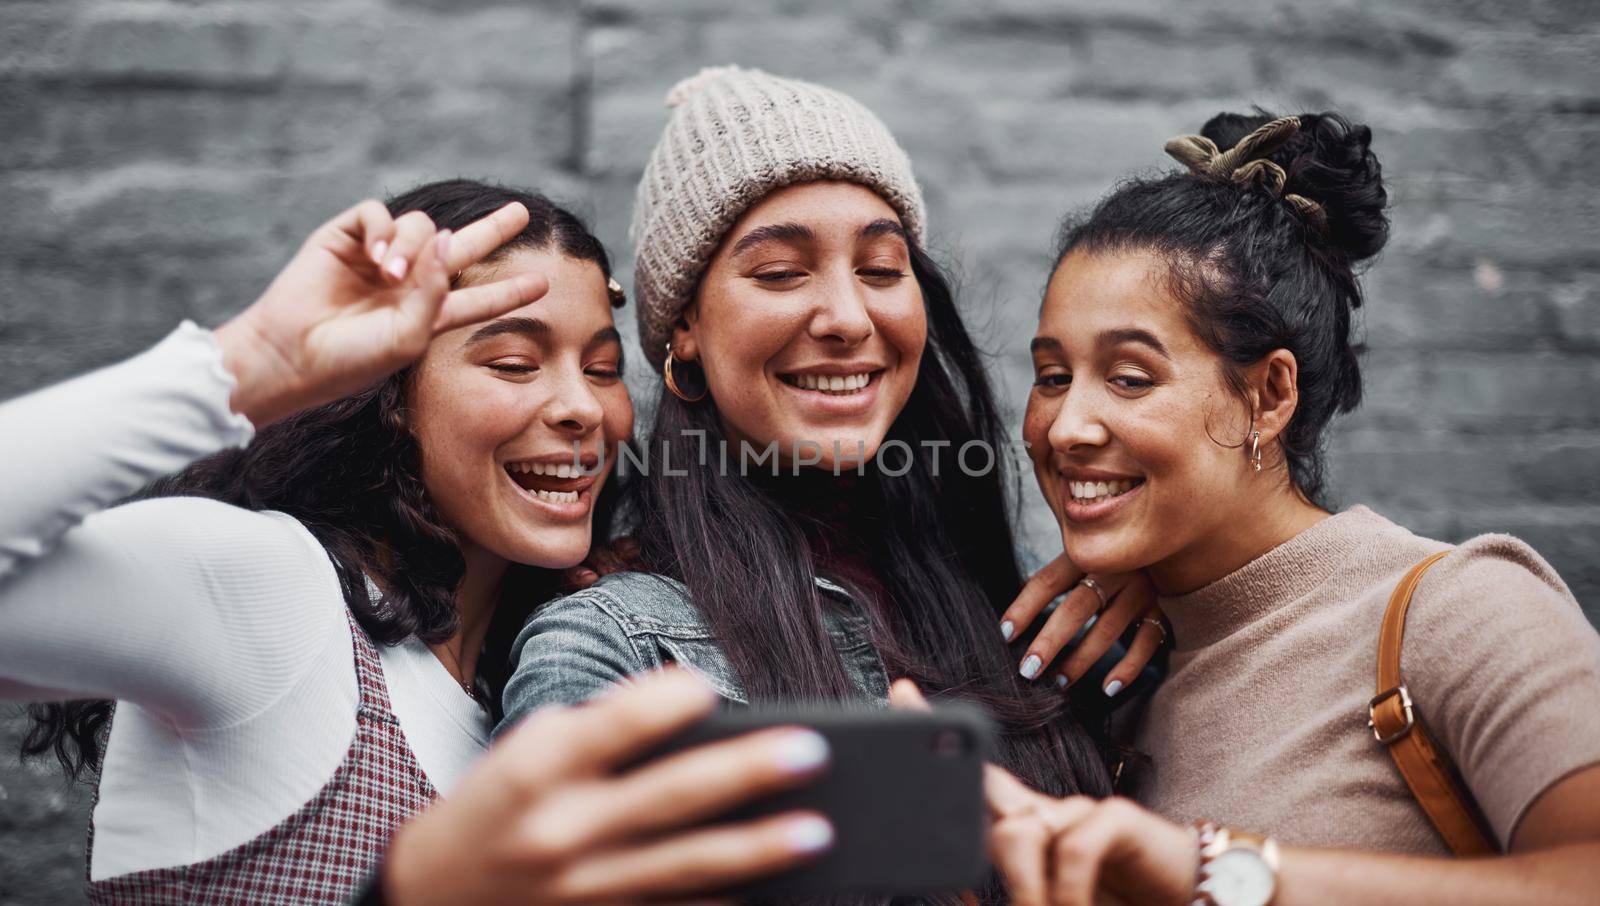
x: 950, y: 742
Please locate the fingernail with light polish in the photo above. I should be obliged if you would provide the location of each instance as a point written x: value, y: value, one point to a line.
x: 810, y: 834
x: 379, y: 249
x: 802, y: 750
x: 1113, y: 687
x: 1031, y: 665
x: 1007, y: 629
x: 1061, y: 680
x: 396, y: 268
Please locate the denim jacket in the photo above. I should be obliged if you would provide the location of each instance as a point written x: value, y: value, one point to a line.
x: 577, y: 646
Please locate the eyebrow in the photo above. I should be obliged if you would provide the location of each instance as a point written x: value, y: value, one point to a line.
x: 1133, y: 335
x: 604, y: 334
x: 532, y: 327
x: 528, y: 326
x: 1106, y: 338
x: 609, y: 334
x: 883, y: 226
x: 775, y: 232
x: 799, y: 232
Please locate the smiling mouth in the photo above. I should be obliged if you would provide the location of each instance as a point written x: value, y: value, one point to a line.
x: 550, y: 482
x: 1100, y: 491
x: 832, y: 384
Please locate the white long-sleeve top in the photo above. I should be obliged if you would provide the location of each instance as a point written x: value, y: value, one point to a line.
x: 221, y: 632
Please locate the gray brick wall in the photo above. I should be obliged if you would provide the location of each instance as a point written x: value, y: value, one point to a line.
x: 158, y: 160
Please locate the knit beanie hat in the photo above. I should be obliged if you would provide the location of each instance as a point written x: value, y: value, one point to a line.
x: 733, y: 136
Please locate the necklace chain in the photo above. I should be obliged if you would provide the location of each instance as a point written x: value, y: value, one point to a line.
x: 471, y: 689
x: 469, y: 686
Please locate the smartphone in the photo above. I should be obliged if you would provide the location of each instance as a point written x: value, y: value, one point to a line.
x: 903, y: 789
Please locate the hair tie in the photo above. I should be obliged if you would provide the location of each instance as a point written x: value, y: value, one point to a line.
x: 1246, y: 162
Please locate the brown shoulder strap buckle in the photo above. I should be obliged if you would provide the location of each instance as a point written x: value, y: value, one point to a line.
x: 1425, y: 768
x: 1388, y: 736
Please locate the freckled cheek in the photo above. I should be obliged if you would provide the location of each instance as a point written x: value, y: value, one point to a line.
x: 1195, y: 442
x: 454, y: 461
x: 904, y: 326
x: 617, y: 424
x: 466, y: 448
x: 1164, y: 451
x: 1036, y: 421
x: 737, y: 350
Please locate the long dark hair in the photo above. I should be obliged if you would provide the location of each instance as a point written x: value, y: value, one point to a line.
x: 942, y: 553
x: 350, y: 472
x: 1255, y: 274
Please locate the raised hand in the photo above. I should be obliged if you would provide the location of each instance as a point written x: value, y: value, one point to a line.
x: 1115, y: 601
x: 363, y: 297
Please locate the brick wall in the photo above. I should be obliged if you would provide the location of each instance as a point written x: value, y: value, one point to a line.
x: 158, y: 160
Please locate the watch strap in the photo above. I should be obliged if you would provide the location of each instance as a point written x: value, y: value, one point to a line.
x: 1213, y: 841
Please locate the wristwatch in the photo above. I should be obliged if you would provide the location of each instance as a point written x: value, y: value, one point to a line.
x: 1237, y: 868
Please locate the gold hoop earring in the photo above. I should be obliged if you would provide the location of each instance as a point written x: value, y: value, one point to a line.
x: 666, y: 374
x: 1255, y: 450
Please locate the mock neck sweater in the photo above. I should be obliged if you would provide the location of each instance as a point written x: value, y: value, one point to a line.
x: 1261, y: 723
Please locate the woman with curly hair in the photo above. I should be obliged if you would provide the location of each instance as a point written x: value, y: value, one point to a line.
x: 300, y: 630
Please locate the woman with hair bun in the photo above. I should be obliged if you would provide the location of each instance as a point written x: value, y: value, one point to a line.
x: 1194, y: 344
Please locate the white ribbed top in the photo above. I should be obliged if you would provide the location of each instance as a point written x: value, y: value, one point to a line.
x: 221, y: 632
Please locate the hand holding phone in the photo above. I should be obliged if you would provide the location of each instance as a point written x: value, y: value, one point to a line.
x: 903, y: 791
x: 561, y: 811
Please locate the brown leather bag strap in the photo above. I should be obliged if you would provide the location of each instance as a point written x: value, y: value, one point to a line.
x: 1392, y: 716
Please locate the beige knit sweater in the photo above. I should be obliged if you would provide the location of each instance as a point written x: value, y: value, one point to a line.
x: 1261, y: 723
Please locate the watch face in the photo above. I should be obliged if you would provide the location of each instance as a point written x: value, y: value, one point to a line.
x: 1241, y: 877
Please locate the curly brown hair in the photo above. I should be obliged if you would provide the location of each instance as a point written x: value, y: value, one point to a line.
x: 351, y: 472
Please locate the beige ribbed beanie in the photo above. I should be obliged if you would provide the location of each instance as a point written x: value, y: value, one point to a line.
x: 733, y: 136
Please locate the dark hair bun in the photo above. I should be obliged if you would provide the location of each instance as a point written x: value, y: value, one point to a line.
x: 1329, y: 161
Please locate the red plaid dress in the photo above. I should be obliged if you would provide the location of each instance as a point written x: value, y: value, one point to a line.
x: 324, y: 852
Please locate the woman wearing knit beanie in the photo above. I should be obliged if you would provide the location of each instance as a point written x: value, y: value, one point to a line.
x: 801, y: 331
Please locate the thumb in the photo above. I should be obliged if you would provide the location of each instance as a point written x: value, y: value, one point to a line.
x: 580, y: 576
x: 905, y: 695
x: 1006, y: 795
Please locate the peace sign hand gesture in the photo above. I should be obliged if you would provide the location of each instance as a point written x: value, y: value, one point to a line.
x: 362, y: 298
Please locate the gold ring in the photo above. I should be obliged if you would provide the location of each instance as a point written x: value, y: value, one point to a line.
x: 1159, y: 625
x: 1099, y: 592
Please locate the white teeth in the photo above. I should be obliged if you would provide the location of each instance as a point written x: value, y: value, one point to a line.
x: 563, y: 470
x: 557, y: 496
x: 1090, y: 491
x: 832, y: 383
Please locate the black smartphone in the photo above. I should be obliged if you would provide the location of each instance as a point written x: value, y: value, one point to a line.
x: 903, y: 789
